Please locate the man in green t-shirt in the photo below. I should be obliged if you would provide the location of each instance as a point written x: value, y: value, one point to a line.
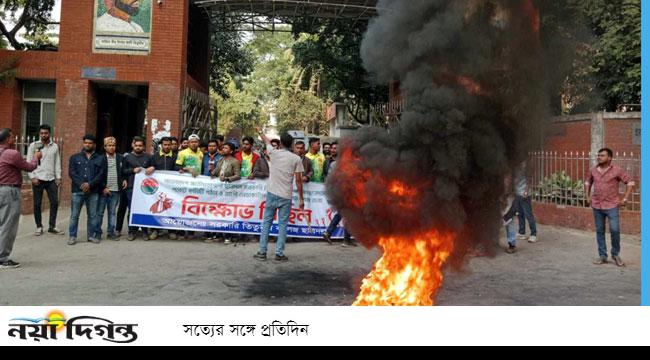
x: 247, y: 158
x: 190, y: 160
x: 317, y: 161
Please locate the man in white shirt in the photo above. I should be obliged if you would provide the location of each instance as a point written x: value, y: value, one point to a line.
x: 47, y: 177
x: 118, y: 16
x: 286, y: 167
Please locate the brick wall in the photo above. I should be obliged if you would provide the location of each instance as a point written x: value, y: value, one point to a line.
x: 164, y: 70
x: 619, y: 135
x: 582, y: 218
x: 573, y: 133
x: 10, y: 105
x: 569, y: 136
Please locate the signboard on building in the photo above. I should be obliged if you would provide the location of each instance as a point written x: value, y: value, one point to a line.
x: 122, y: 27
x: 98, y: 73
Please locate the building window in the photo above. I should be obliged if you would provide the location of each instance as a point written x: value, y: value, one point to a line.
x: 38, y: 106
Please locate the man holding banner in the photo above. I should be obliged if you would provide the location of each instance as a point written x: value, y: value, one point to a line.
x: 134, y: 163
x: 286, y: 166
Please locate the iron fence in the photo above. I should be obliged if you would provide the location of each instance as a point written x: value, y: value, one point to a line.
x: 559, y: 178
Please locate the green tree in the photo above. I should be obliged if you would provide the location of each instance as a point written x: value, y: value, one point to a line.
x: 228, y: 59
x: 332, y: 52
x: 274, y: 70
x: 32, y: 16
x: 301, y: 110
x: 275, y: 86
x: 240, y: 110
x: 617, y: 49
x: 594, y: 48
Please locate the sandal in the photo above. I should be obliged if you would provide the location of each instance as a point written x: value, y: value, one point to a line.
x: 600, y: 261
x: 618, y: 261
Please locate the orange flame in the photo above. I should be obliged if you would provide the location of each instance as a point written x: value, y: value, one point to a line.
x: 348, y: 166
x: 409, y: 273
x: 401, y: 189
x: 470, y: 85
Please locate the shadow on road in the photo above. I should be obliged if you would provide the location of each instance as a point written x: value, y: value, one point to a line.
x: 294, y: 283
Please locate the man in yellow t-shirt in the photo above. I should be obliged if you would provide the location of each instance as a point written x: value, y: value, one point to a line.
x: 317, y: 161
x: 190, y: 160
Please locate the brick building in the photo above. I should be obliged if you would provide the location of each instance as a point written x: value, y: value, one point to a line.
x: 105, y: 82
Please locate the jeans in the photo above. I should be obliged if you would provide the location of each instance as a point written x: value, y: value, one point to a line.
x: 52, y: 195
x: 526, y: 213
x: 273, y: 204
x: 511, y: 233
x: 78, y: 200
x: 335, y: 222
x: 614, y: 228
x: 107, y: 203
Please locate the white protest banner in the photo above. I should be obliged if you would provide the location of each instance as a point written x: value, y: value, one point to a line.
x: 169, y: 200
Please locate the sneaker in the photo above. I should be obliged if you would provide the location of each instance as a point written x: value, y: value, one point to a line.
x: 281, y: 258
x: 260, y: 256
x: 131, y: 237
x: 511, y: 249
x: 9, y: 264
x: 113, y: 237
x: 55, y: 231
x: 228, y: 242
x: 94, y: 240
x: 209, y: 241
x: 618, y: 261
x: 601, y: 260
x: 153, y: 235
x: 532, y: 239
x: 327, y: 237
x: 522, y: 237
x: 72, y: 241
x: 173, y: 236
x: 38, y: 232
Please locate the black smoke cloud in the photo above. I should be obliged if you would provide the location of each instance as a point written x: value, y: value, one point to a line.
x: 472, y: 74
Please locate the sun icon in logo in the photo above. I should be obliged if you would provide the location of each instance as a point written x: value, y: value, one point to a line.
x: 57, y: 318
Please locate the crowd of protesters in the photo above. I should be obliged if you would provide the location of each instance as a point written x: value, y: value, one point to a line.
x: 102, y: 181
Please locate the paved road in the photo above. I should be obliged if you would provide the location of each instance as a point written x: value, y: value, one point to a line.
x: 557, y: 271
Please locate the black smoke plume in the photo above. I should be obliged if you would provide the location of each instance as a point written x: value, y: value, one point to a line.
x: 473, y: 79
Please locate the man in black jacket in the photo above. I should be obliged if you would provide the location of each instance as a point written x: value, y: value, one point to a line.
x: 165, y: 160
x: 134, y: 163
x: 86, y: 171
x: 115, y: 185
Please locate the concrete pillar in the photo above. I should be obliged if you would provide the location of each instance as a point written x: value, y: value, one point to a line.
x: 597, y: 135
